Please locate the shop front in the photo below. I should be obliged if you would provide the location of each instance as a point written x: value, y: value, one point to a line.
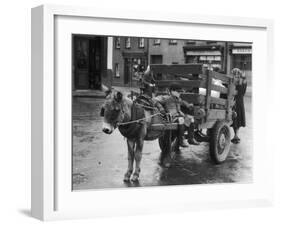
x: 242, y: 59
x: 134, y: 64
x: 128, y: 68
x: 211, y: 57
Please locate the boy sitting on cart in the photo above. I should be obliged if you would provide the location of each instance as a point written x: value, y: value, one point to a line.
x: 172, y: 104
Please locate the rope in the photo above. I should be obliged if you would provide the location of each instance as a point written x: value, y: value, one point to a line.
x: 138, y: 120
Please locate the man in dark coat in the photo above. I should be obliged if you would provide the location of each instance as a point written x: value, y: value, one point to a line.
x: 147, y: 82
x: 172, y: 104
x: 239, y: 108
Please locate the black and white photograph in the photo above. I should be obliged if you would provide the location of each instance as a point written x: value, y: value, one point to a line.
x: 159, y: 112
x: 140, y: 113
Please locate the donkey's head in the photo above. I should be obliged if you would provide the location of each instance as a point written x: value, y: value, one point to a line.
x: 112, y: 111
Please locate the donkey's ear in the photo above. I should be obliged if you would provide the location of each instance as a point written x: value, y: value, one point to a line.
x: 108, y: 92
x: 118, y: 96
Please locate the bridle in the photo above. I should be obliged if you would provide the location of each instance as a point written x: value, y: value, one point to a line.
x: 122, y: 112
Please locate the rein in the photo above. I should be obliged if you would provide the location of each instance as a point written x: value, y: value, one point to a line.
x: 136, y: 121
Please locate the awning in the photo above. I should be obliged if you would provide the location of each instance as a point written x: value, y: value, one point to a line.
x: 203, y: 53
x: 248, y: 45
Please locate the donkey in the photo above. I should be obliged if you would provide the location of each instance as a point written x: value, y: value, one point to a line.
x: 133, y: 122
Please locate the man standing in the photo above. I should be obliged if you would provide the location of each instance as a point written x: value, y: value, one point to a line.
x: 147, y: 82
x: 172, y: 104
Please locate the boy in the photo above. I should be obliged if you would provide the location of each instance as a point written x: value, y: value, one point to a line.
x: 172, y: 104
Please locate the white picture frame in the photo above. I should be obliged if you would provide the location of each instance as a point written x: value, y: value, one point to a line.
x: 52, y: 197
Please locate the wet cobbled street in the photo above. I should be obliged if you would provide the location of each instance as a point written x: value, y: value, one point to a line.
x: 100, y: 160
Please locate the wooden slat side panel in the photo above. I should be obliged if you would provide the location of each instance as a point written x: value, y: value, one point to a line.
x: 208, y: 91
x: 188, y: 76
x: 220, y: 89
x: 222, y: 77
x: 220, y: 101
x: 192, y: 76
x: 216, y: 114
x: 181, y: 83
x: 179, y: 69
x: 193, y: 98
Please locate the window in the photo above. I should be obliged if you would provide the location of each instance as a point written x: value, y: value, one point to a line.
x: 173, y: 42
x: 157, y: 42
x: 190, y: 42
x: 117, y: 72
x: 141, y: 42
x: 242, y: 61
x: 192, y: 59
x: 82, y: 56
x: 117, y: 42
x: 209, y: 61
x: 128, y: 43
x: 156, y: 59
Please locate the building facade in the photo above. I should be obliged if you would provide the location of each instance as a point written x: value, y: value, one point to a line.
x: 116, y: 61
x: 240, y: 55
x: 166, y: 51
x: 133, y: 54
x: 91, y: 62
x: 130, y: 55
x: 211, y: 54
x: 220, y: 56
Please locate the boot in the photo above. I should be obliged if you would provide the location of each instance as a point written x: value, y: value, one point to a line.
x: 183, y: 141
x: 191, y: 139
x: 200, y: 137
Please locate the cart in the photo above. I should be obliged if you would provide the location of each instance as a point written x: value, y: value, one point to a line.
x: 212, y: 113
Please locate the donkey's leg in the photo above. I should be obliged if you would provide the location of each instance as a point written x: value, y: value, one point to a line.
x: 138, y: 152
x: 131, y: 147
x: 138, y: 156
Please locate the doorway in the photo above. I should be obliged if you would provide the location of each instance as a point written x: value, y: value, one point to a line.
x: 87, y: 62
x: 127, y: 71
x: 133, y: 66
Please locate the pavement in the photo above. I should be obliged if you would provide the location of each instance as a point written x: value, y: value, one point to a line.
x: 88, y: 93
x: 100, y: 160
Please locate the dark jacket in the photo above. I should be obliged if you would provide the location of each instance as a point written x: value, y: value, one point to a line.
x: 146, y: 81
x: 239, y: 108
x: 172, y: 104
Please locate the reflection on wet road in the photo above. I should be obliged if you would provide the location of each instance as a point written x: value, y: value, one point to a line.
x: 100, y: 160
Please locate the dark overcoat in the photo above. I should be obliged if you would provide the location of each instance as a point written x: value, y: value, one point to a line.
x: 239, y: 108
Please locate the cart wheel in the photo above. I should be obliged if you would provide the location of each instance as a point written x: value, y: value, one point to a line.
x: 220, y: 142
x: 169, y: 145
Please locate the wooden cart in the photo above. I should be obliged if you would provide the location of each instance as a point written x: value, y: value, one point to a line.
x: 212, y: 109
